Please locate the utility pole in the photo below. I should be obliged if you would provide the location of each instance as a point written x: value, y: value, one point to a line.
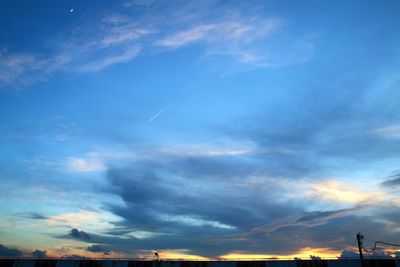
x: 359, y: 242
x: 359, y: 238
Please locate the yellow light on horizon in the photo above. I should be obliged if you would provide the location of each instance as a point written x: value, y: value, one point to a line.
x: 304, y: 253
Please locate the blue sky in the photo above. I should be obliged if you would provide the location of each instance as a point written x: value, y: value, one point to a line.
x: 205, y: 128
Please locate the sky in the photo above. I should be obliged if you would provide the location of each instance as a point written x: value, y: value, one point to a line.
x: 198, y: 129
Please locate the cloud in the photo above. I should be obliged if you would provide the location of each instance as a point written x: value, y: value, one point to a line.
x: 241, y: 34
x: 105, y: 62
x: 349, y: 254
x: 91, y: 47
x: 13, y: 66
x: 189, y: 36
x: 232, y: 36
x: 98, y: 249
x: 392, y: 181
x: 10, y: 252
x: 23, y: 69
x: 79, y: 235
x: 301, y: 220
x: 390, y: 132
x: 85, y: 165
x: 140, y: 3
x: 353, y: 254
x: 344, y: 192
x: 32, y: 215
x: 39, y: 253
x: 171, y: 202
x: 166, y: 195
x: 73, y: 219
x: 222, y: 149
x: 258, y: 199
x: 74, y: 257
x: 155, y: 204
x: 269, y: 191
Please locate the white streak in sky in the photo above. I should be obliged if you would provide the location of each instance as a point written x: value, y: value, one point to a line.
x: 157, y: 114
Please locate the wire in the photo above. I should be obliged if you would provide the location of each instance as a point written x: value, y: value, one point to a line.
x: 354, y: 242
x: 376, y: 243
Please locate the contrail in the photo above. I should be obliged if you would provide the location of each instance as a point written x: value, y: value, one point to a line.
x: 157, y: 114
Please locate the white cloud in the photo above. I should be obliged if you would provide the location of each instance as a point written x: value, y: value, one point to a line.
x: 328, y: 193
x: 112, y: 40
x: 390, y: 132
x: 73, y: 219
x: 18, y: 65
x: 83, y: 219
x: 135, y: 3
x: 210, y: 150
x: 141, y: 234
x: 195, y: 221
x: 182, y: 38
x: 85, y: 165
x: 107, y: 61
x: 215, y: 149
x: 237, y: 38
x: 239, y: 34
x: 336, y: 191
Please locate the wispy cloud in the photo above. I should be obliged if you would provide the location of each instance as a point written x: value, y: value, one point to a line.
x: 93, y: 47
x: 133, y: 3
x: 242, y: 35
x: 193, y: 221
x: 390, y: 132
x: 86, y: 219
x: 107, y: 61
x: 85, y: 165
x: 335, y: 191
x: 392, y: 181
x: 98, y: 160
x: 194, y: 34
x: 209, y: 150
x: 20, y: 68
x: 237, y: 37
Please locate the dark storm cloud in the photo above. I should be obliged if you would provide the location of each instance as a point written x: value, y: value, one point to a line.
x: 10, y: 252
x: 39, y: 253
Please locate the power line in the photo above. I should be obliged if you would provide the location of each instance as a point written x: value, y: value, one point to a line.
x: 360, y: 239
x: 375, y: 245
x: 354, y: 242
